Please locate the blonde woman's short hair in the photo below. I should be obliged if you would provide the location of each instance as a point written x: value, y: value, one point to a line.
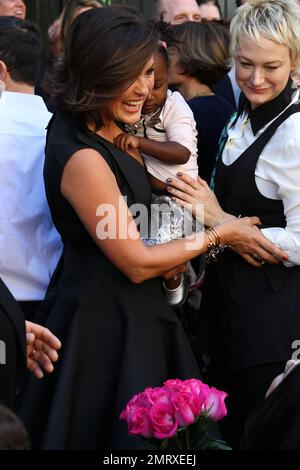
x: 277, y: 20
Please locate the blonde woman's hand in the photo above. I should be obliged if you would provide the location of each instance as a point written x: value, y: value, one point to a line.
x: 197, y: 197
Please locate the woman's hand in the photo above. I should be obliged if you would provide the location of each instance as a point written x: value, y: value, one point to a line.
x: 197, y: 197
x: 242, y: 234
x: 248, y: 241
x: 42, y: 348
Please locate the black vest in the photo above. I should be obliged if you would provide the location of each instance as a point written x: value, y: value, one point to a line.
x: 250, y: 315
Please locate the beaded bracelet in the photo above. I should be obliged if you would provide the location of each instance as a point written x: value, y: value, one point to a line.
x: 214, y: 247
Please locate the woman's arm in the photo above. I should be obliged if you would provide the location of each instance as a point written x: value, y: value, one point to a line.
x: 90, y: 187
x: 278, y: 176
x: 197, y: 197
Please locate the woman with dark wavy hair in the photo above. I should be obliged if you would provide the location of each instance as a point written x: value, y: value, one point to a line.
x: 105, y: 300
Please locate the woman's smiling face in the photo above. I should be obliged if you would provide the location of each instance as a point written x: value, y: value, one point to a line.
x: 127, y: 107
x: 262, y: 69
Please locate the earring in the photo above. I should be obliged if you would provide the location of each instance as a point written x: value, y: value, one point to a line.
x: 2, y: 87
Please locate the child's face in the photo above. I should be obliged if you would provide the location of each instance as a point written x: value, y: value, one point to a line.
x: 158, y: 95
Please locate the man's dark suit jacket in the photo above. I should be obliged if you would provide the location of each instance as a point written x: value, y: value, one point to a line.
x: 12, y: 346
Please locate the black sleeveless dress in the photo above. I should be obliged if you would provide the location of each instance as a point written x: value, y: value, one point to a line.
x: 118, y: 337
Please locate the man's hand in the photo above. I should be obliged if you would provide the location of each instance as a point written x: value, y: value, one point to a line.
x: 41, y: 346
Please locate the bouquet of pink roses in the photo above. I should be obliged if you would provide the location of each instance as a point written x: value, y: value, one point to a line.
x: 176, y: 415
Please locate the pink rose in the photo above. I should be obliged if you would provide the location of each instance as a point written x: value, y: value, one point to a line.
x: 163, y: 421
x: 199, y: 392
x: 158, y: 395
x: 182, y: 402
x: 194, y: 385
x: 138, y: 420
x: 175, y: 385
x: 142, y: 399
x: 215, y: 405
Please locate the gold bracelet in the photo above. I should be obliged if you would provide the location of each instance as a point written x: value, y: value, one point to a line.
x: 214, y: 248
x: 216, y: 234
x: 208, y: 233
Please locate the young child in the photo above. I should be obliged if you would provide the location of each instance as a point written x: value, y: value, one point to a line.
x: 167, y: 138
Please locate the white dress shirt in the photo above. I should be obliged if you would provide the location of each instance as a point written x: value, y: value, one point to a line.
x: 235, y: 88
x: 277, y: 174
x: 29, y: 244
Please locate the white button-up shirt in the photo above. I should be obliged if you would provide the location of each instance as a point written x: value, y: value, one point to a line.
x: 277, y: 174
x: 29, y: 244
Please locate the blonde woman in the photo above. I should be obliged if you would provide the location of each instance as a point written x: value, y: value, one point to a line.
x: 250, y: 310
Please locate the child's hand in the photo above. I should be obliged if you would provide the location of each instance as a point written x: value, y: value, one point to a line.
x: 126, y: 142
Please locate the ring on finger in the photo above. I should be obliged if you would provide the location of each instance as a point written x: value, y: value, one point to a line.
x: 258, y: 258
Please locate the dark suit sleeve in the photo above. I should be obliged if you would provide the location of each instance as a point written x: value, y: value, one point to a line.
x: 12, y: 346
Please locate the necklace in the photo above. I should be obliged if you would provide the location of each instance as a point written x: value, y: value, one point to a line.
x: 206, y: 92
